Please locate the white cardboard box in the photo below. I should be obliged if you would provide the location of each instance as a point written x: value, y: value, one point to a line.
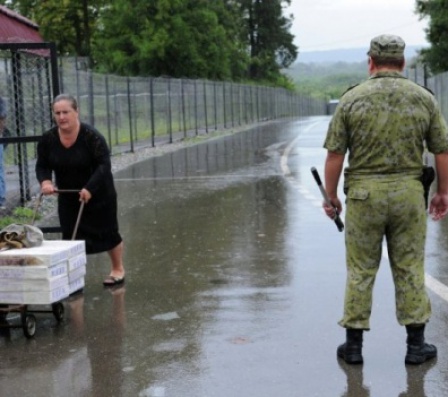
x: 76, y: 261
x: 49, y: 253
x: 35, y: 297
x: 77, y: 273
x: 42, y: 275
x: 31, y: 285
x: 34, y: 272
x: 76, y: 285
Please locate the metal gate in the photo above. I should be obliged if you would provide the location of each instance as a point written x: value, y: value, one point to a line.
x: 28, y: 83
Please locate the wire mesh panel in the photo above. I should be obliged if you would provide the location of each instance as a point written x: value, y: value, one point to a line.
x: 439, y: 85
x: 28, y: 83
x: 128, y: 111
x: 135, y: 110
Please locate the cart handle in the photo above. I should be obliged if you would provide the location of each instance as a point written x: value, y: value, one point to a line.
x: 78, y: 219
x: 66, y: 191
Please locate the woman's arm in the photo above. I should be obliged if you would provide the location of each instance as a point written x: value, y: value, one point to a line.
x: 43, y: 169
x: 101, y: 159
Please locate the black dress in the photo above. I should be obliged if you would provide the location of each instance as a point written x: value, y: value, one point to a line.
x: 85, y: 164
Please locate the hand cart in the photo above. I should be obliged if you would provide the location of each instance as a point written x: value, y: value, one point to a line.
x: 28, y: 321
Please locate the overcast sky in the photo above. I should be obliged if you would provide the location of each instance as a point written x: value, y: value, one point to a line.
x: 321, y: 25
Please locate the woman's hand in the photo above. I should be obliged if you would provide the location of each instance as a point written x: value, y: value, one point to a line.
x: 47, y: 187
x: 85, y: 195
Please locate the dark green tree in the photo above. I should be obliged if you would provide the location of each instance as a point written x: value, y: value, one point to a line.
x: 68, y: 23
x: 437, y: 33
x: 214, y: 39
x: 179, y: 38
x: 269, y: 39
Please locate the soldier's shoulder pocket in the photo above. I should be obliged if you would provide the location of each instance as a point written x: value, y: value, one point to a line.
x: 357, y: 193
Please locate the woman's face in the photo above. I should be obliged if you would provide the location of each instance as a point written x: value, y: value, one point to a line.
x: 65, y: 116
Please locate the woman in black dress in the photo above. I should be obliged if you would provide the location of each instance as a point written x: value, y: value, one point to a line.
x: 79, y: 157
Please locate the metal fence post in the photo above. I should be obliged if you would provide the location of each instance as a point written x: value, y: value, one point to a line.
x: 215, y: 106
x: 257, y: 102
x: 240, y: 104
x: 91, y: 99
x: 224, y: 103
x: 231, y: 105
x: 131, y: 136
x: 109, y: 133
x: 55, y: 80
x: 59, y: 73
x: 196, y: 107
x: 169, y: 123
x: 205, y: 106
x: 151, y: 100
x: 116, y: 114
x: 184, y: 121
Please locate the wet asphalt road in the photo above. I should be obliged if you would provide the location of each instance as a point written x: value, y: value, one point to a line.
x: 234, y: 286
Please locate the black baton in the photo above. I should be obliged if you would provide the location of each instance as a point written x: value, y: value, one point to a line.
x: 336, y: 218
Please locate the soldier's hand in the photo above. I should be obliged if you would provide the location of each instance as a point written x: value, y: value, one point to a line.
x: 329, y: 210
x: 438, y: 207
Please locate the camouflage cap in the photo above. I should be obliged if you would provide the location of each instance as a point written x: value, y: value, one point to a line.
x: 387, y: 46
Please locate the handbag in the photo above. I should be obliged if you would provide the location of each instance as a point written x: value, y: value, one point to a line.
x: 17, y: 235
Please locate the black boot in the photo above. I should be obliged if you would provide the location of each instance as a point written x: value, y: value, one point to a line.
x: 418, y: 351
x: 351, y: 350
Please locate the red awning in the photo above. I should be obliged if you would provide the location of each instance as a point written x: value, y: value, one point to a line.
x: 15, y: 28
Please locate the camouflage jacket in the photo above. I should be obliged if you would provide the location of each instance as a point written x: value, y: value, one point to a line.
x: 383, y: 124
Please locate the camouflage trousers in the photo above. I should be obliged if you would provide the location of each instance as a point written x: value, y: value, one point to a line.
x: 394, y: 211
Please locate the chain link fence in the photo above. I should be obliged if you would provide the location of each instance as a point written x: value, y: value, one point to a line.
x: 131, y: 112
x: 438, y: 84
x: 134, y: 112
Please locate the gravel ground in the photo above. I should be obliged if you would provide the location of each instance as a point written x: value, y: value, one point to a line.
x: 123, y: 160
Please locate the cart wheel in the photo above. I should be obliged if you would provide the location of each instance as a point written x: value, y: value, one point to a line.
x: 58, y: 311
x: 28, y: 325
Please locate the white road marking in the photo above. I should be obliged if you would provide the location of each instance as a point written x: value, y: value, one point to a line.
x: 436, y: 286
x: 316, y: 201
x: 285, y: 155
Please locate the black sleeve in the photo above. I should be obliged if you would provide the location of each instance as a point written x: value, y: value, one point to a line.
x: 101, y: 158
x: 43, y: 169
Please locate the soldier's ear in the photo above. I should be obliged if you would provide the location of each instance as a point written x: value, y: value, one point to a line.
x: 371, y: 64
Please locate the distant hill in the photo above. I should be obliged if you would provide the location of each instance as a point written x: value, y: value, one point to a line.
x: 328, y: 74
x: 345, y: 55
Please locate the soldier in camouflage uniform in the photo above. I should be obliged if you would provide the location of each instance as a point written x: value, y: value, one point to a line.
x: 383, y: 124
